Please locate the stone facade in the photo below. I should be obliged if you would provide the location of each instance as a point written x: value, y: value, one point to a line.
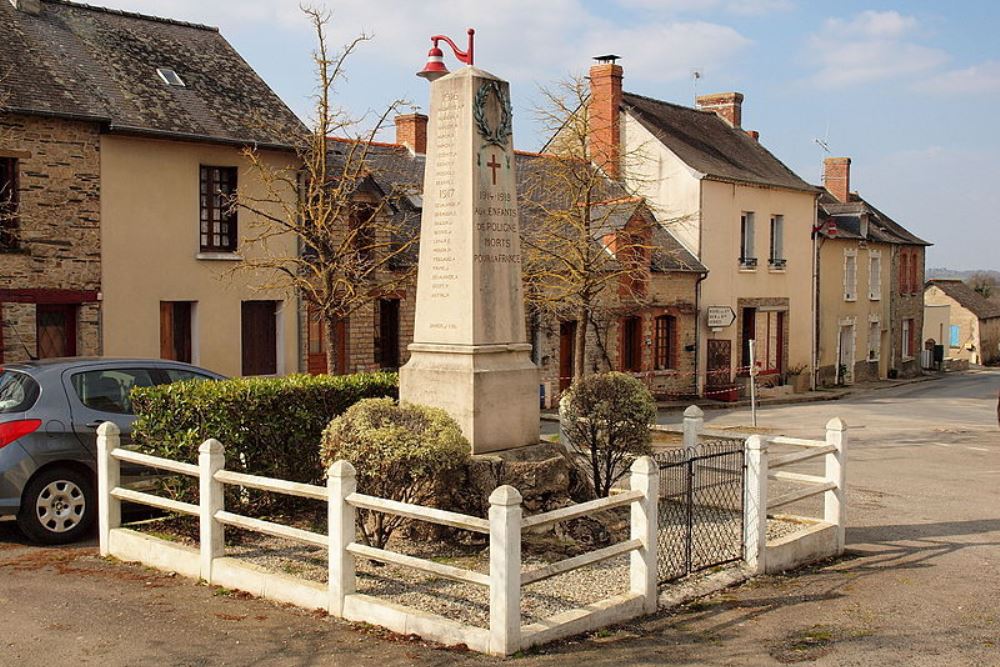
x: 58, y: 258
x: 907, y: 303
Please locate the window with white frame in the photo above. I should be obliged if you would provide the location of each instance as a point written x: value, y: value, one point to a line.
x: 850, y: 275
x: 777, y: 259
x: 747, y: 257
x: 875, y: 276
x: 874, y: 340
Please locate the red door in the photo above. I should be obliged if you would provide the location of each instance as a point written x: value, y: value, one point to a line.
x: 55, y: 330
x: 567, y: 353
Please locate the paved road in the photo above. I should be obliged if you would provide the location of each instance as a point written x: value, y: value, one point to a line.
x: 920, y: 585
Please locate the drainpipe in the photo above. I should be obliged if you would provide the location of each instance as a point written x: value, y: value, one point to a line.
x: 817, y: 244
x: 697, y: 333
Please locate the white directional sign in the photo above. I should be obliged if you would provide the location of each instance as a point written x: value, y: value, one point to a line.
x: 720, y: 317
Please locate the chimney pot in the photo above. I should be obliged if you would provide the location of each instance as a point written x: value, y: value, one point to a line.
x: 605, y: 116
x: 837, y: 177
x: 411, y: 131
x: 728, y: 106
x: 28, y: 6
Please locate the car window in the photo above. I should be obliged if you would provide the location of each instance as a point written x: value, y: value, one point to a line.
x: 107, y: 389
x: 182, y: 375
x: 18, y: 392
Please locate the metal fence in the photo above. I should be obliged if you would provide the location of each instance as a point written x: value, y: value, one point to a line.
x: 701, y: 508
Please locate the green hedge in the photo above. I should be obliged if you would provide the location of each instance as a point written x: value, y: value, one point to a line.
x: 268, y: 426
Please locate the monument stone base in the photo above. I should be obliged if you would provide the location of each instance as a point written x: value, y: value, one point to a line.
x: 490, y: 390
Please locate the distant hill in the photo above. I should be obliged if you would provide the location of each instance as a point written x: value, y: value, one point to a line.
x: 957, y: 274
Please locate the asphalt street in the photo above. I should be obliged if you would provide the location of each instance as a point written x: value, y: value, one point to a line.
x: 920, y: 584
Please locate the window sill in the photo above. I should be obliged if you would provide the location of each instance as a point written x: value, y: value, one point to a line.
x: 872, y: 361
x: 219, y: 256
x: 874, y: 298
x: 851, y: 299
x: 776, y: 269
x: 748, y: 269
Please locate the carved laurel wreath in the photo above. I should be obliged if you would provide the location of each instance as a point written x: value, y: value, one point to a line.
x: 496, y: 136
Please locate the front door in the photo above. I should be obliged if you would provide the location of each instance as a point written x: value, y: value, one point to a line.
x: 720, y: 359
x: 845, y: 358
x: 388, y: 334
x: 567, y: 353
x: 259, y: 336
x: 55, y: 330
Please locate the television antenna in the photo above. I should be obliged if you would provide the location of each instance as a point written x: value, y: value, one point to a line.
x: 697, y: 74
x: 824, y: 144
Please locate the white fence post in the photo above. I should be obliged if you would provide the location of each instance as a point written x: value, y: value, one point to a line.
x: 341, y: 481
x: 755, y: 505
x: 109, y: 509
x: 835, y: 501
x: 505, y: 570
x: 642, y: 562
x: 211, y: 499
x: 694, y: 423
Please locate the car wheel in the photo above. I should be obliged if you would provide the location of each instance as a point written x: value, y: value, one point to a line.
x: 58, y: 506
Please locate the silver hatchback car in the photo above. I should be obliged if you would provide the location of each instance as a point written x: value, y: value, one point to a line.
x: 49, y: 414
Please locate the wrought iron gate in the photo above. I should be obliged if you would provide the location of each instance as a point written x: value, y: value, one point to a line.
x: 701, y: 508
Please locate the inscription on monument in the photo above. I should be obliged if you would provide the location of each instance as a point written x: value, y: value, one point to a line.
x: 446, y: 204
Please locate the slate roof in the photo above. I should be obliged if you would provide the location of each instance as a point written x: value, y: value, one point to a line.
x: 78, y: 61
x: 707, y: 144
x: 967, y: 297
x: 847, y: 217
x: 395, y: 168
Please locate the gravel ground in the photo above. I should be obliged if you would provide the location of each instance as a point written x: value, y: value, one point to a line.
x: 455, y: 600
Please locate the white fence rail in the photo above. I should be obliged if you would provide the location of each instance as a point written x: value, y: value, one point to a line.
x: 506, y: 633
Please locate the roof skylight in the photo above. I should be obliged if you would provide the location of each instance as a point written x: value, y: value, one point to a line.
x: 169, y: 76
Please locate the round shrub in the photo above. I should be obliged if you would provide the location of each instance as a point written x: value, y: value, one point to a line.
x: 400, y: 452
x: 606, y: 418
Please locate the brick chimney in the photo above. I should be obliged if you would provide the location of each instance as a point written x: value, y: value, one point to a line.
x: 728, y: 106
x: 411, y: 131
x: 28, y: 6
x: 837, y: 177
x: 605, y: 114
x: 754, y: 134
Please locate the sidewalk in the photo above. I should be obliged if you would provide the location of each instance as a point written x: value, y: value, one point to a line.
x: 828, y: 394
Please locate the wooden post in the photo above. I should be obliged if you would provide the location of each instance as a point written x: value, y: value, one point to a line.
x: 341, y: 481
x: 835, y: 500
x: 505, y: 570
x: 109, y: 509
x: 694, y: 423
x: 211, y: 499
x: 755, y: 505
x: 645, y: 527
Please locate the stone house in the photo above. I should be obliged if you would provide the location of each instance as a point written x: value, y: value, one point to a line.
x: 974, y: 331
x: 728, y: 201
x: 867, y: 268
x: 654, y: 340
x: 121, y: 136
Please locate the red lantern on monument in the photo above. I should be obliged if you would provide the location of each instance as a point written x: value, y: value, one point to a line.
x: 435, y: 67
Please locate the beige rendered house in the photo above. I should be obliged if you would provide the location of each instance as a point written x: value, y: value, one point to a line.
x: 741, y: 213
x: 974, y: 321
x: 125, y: 137
x: 868, y: 267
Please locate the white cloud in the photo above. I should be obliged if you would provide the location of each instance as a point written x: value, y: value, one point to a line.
x: 742, y: 7
x: 872, y: 46
x: 983, y: 78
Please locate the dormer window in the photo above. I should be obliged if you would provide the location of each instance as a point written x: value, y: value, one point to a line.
x: 170, y: 77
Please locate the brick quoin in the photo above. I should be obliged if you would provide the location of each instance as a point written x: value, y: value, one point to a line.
x: 604, y: 114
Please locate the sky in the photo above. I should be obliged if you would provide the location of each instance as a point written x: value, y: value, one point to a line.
x: 909, y: 90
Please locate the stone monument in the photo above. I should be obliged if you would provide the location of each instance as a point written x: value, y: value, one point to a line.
x: 470, y: 354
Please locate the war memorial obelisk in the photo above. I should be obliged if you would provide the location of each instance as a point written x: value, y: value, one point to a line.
x: 470, y: 354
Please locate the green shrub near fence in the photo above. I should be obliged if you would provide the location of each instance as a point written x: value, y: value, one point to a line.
x: 268, y: 426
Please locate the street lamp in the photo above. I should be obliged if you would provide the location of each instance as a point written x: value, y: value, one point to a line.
x: 435, y: 67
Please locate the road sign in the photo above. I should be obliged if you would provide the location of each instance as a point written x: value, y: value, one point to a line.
x: 720, y: 317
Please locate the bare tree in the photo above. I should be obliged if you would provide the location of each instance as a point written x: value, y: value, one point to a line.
x: 353, y: 241
x: 984, y: 283
x: 582, y: 259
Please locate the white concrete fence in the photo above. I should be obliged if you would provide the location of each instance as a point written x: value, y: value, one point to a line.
x: 506, y: 633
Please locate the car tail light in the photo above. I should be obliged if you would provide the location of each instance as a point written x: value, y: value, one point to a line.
x: 11, y: 431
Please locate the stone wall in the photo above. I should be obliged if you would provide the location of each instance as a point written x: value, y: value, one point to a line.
x: 903, y: 307
x: 59, y: 227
